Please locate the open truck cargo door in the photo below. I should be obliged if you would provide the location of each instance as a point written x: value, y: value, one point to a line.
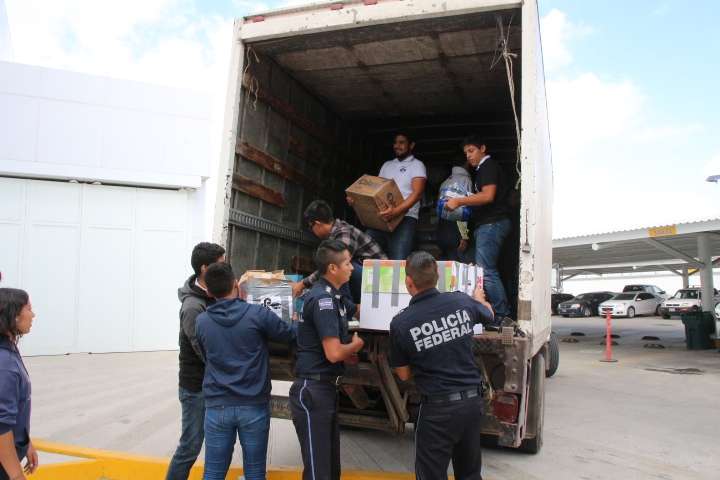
x: 315, y: 93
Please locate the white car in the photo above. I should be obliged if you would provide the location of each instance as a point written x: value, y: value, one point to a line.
x: 629, y: 304
x: 684, y: 301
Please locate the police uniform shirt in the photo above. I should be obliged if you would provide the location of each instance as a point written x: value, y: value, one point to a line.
x: 488, y: 172
x: 325, y: 314
x: 434, y: 336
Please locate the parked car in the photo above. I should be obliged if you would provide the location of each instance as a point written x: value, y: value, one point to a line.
x: 584, y: 305
x: 684, y: 301
x: 557, y: 298
x: 654, y: 289
x: 630, y: 304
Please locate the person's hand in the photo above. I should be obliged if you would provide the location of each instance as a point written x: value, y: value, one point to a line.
x: 297, y: 288
x: 463, y: 245
x: 349, y: 200
x: 32, y: 459
x: 389, y: 213
x: 479, y: 295
x: 357, y: 342
x: 452, y: 204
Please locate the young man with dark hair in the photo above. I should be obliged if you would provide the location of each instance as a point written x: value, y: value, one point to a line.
x: 232, y: 336
x: 431, y: 341
x: 194, y: 300
x: 490, y: 216
x: 410, y: 176
x: 318, y: 216
x: 323, y: 344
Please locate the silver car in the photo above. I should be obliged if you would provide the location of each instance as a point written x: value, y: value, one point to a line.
x: 630, y: 304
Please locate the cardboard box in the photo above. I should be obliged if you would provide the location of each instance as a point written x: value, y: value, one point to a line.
x: 384, y: 294
x: 269, y: 289
x: 371, y: 195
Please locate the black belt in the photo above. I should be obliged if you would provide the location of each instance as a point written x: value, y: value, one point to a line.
x: 334, y: 379
x: 451, y: 397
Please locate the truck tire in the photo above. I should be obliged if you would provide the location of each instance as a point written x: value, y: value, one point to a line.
x: 536, y: 406
x: 553, y: 355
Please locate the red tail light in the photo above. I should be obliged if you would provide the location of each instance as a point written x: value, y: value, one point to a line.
x: 506, y: 407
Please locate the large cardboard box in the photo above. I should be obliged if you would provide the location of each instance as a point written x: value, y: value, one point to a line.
x: 370, y: 196
x: 384, y: 293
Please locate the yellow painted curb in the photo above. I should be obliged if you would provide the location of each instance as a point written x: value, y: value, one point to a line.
x: 95, y: 464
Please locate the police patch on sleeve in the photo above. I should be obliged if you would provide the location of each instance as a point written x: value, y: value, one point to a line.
x: 326, y: 304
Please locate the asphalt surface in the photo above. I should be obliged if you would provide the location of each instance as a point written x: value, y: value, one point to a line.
x: 653, y: 414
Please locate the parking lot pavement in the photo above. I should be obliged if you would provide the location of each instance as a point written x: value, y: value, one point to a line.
x: 653, y: 414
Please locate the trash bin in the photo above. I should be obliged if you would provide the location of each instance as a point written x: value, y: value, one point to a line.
x: 699, y: 326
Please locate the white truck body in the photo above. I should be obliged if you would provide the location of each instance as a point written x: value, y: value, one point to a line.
x: 315, y: 91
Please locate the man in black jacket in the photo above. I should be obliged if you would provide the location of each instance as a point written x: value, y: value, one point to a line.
x: 194, y: 300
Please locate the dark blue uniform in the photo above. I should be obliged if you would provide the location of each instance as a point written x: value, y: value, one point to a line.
x: 14, y: 398
x: 434, y: 336
x: 313, y: 395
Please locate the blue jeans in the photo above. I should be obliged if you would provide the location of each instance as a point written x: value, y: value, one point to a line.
x: 191, y: 438
x: 251, y: 425
x: 488, y: 242
x: 398, y: 244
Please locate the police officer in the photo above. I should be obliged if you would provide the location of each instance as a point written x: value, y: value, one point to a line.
x: 323, y: 344
x: 431, y: 341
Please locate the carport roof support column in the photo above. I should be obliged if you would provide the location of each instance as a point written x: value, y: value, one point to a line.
x: 706, y: 272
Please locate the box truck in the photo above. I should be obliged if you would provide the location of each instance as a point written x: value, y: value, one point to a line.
x: 315, y: 94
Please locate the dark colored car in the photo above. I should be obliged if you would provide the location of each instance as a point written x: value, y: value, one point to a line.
x: 558, y: 298
x: 584, y: 305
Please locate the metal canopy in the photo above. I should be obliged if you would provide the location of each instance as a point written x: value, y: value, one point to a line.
x: 683, y: 249
x: 671, y: 247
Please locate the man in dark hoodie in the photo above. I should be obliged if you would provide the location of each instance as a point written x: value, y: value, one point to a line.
x: 194, y: 300
x: 233, y: 335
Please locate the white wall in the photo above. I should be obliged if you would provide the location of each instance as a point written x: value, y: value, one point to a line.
x: 6, y: 50
x: 102, y: 264
x: 58, y: 124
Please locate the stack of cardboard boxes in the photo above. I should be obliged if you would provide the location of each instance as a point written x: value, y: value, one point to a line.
x: 384, y: 293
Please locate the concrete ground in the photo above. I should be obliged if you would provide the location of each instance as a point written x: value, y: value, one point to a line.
x: 653, y: 414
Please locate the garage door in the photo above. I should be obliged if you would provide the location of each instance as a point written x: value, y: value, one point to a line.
x: 102, y: 264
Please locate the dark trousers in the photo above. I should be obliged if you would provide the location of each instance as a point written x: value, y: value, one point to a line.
x: 314, y: 410
x: 191, y: 438
x: 445, y: 432
x: 398, y: 244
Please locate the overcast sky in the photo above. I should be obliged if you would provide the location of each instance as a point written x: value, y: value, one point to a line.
x: 632, y: 88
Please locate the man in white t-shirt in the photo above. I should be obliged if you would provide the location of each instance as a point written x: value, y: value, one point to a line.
x: 410, y: 175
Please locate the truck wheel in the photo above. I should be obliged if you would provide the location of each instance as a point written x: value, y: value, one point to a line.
x: 666, y: 316
x: 553, y: 355
x: 536, y: 413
